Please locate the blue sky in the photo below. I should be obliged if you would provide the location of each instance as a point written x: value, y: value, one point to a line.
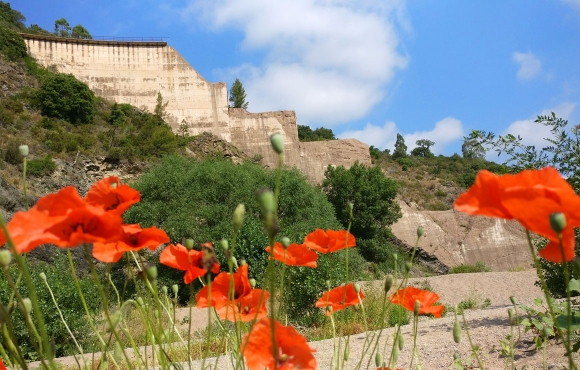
x: 368, y: 69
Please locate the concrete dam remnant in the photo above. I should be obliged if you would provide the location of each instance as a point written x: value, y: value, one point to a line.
x: 134, y: 72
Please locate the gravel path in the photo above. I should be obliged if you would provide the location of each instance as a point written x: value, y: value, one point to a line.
x: 435, y: 342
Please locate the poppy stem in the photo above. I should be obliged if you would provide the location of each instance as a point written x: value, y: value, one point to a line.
x: 473, y: 349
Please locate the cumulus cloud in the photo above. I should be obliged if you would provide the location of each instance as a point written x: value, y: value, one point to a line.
x: 446, y: 131
x: 530, y: 65
x: 329, y: 61
x: 533, y: 133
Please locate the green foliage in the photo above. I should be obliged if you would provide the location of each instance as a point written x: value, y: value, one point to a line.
x: 35, y: 29
x: 379, y: 249
x: 62, y: 28
x: 466, y: 268
x: 472, y: 148
x: 305, y: 133
x: 372, y: 194
x: 238, y: 95
x: 400, y: 148
x: 12, y: 45
x: 79, y: 32
x: 41, y: 166
x: 63, y: 96
x: 10, y: 18
x: 12, y: 153
x: 59, y: 278
x: 423, y: 148
x: 187, y: 198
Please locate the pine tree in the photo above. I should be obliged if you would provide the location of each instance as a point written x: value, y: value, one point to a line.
x: 400, y: 148
x: 238, y: 95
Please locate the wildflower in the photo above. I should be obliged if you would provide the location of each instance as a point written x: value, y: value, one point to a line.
x: 221, y: 295
x: 111, y: 195
x: 409, y: 296
x: 340, y: 298
x: 329, y: 241
x: 529, y: 197
x: 247, y: 308
x: 194, y: 263
x: 293, y: 352
x: 64, y: 219
x: 294, y: 255
x: 134, y: 238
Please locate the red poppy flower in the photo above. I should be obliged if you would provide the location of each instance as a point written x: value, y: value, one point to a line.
x: 194, y: 263
x: 134, y: 239
x: 221, y: 294
x: 64, y: 219
x: 407, y: 297
x: 248, y: 308
x: 2, y: 366
x: 339, y: 298
x: 293, y: 352
x: 111, y: 195
x: 529, y: 197
x: 294, y: 255
x: 329, y: 241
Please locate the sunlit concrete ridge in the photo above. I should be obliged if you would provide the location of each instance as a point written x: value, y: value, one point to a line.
x: 134, y: 72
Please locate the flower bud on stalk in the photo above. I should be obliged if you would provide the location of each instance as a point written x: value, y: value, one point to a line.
x: 456, y: 332
x: 277, y: 141
x: 456, y: 356
x: 140, y: 302
x: 164, y: 289
x: 5, y: 258
x: 420, y: 231
x: 346, y: 352
x: 417, y: 307
x: 27, y: 305
x: 558, y: 222
x: 239, y: 214
x: 118, y: 352
x: 234, y: 261
x: 401, y: 342
x: 253, y: 283
x: 243, y: 262
x: 408, y: 266
x: 356, y: 287
x: 389, y: 282
x: 114, y: 320
x: 151, y: 272
x: 285, y: 242
x: 189, y: 244
x: 513, y: 300
x: 23, y: 149
x: 378, y: 359
x: 224, y: 244
x: 175, y: 289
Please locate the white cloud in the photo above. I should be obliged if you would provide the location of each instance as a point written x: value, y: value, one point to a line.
x: 446, y: 131
x: 530, y: 65
x: 331, y: 61
x: 533, y: 133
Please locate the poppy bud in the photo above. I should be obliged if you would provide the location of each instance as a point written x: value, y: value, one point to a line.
x: 513, y: 300
x: 285, y: 242
x: 151, y: 272
x: 164, y: 289
x: 395, y: 354
x: 234, y: 261
x: 114, y: 320
x: 356, y: 287
x: 277, y: 141
x: 456, y: 332
x: 395, y: 256
x: 27, y: 305
x: 189, y: 244
x: 242, y: 262
x: 239, y: 217
x: 346, y: 352
x: 388, y: 282
x: 175, y: 289
x: 408, y: 266
x: 349, y: 208
x: 329, y: 308
x: 156, y: 313
x: 118, y: 352
x: 456, y: 356
x: 558, y: 222
x: 420, y: 231
x: 113, y: 185
x: 266, y: 201
x: 511, y: 316
x: 401, y: 342
x: 328, y: 284
x: 23, y: 149
x: 224, y: 244
x: 417, y: 307
x: 5, y: 258
x: 140, y: 302
x: 253, y: 283
x: 378, y: 359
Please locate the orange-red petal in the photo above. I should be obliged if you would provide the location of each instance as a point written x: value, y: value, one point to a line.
x: 340, y: 298
x: 113, y: 196
x: 407, y: 297
x: 294, y: 255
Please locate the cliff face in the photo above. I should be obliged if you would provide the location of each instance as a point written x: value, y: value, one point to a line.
x: 134, y: 72
x: 455, y: 238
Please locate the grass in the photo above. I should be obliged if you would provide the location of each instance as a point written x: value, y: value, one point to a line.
x: 466, y: 268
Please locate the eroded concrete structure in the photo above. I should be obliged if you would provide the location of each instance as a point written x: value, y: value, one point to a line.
x: 135, y: 72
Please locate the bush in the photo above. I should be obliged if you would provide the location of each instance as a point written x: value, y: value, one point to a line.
x: 41, y: 166
x: 63, y: 96
x: 189, y: 198
x: 12, y: 45
x: 466, y: 268
x: 59, y: 277
x: 12, y: 153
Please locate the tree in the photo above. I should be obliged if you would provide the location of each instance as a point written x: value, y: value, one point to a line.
x: 63, y: 96
x: 10, y: 18
x: 79, y: 32
x: 238, y: 95
x: 160, y: 107
x: 305, y: 133
x: 61, y: 28
x: 423, y: 148
x: 372, y: 194
x: 37, y: 30
x: 471, y: 147
x: 400, y: 148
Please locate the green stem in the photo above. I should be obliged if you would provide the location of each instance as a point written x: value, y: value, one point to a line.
x: 473, y: 350
x: 24, y: 182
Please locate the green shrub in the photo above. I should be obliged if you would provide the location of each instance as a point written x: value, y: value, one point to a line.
x: 63, y: 96
x: 466, y: 268
x: 12, y: 45
x: 12, y: 153
x: 59, y: 278
x: 41, y: 166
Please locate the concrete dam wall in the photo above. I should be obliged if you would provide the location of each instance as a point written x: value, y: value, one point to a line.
x: 135, y: 72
